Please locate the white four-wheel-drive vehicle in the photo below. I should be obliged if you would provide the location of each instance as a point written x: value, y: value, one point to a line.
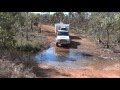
x: 62, y: 34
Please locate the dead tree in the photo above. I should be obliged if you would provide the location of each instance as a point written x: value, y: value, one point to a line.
x: 39, y: 28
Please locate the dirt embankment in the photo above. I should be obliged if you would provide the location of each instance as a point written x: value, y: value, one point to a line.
x: 86, y: 45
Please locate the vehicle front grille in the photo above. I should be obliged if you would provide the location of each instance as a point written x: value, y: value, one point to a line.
x: 63, y: 41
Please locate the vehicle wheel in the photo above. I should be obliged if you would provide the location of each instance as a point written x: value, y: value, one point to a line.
x: 57, y: 44
x: 67, y: 45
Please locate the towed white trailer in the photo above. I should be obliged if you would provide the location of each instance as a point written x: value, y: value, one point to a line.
x: 62, y: 34
x: 61, y: 26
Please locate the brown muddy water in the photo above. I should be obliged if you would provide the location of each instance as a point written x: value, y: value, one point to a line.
x: 61, y: 57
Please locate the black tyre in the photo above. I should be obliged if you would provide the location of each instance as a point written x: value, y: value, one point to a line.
x: 68, y: 45
x: 57, y: 44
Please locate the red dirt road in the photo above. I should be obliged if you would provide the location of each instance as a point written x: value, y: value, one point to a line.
x: 90, y: 47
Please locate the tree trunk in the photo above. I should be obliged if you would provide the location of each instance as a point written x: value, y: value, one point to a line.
x: 27, y: 28
x: 27, y: 34
x: 107, y: 44
x: 39, y: 28
x: 32, y: 25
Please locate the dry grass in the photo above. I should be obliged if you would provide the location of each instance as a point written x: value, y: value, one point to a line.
x: 8, y: 69
x: 17, y: 62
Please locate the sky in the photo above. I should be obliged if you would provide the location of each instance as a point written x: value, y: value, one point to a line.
x: 50, y: 12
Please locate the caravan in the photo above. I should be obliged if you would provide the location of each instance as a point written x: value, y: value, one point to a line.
x: 62, y: 34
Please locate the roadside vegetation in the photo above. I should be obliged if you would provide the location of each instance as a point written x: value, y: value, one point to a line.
x: 21, y: 36
x: 103, y: 27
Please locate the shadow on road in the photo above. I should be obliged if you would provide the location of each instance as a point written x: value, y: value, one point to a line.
x: 75, y: 37
x: 73, y: 45
x: 47, y: 73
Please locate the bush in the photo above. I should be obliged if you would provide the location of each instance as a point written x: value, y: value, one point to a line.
x: 35, y: 43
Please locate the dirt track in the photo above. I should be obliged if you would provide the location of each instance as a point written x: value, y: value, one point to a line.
x: 86, y: 45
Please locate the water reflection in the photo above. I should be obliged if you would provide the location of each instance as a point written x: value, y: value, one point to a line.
x: 61, y: 55
x: 69, y: 58
x: 61, y: 51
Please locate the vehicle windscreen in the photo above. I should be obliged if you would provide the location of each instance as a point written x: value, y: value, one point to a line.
x: 63, y: 34
x: 63, y: 28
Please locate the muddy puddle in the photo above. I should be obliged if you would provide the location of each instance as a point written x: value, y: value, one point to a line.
x: 71, y: 58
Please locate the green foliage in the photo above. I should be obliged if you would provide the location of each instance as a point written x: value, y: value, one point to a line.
x: 103, y: 26
x: 7, y: 33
